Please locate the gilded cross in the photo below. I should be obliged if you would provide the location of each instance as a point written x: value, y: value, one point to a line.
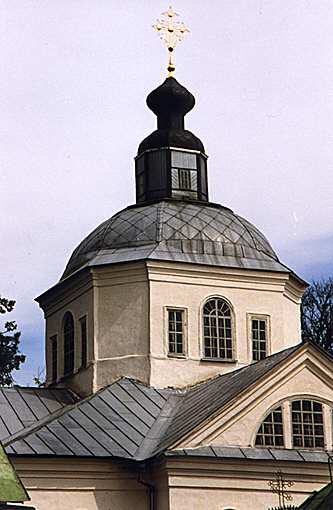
x: 171, y: 32
x: 279, y: 486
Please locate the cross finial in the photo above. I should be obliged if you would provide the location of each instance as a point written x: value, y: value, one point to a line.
x: 171, y: 32
x: 279, y: 486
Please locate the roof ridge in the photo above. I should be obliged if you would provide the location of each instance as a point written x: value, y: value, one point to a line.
x: 146, y: 449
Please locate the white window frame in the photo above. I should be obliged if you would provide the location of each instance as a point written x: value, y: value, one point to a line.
x: 233, y: 332
x: 285, y: 404
x: 184, y: 310
x: 260, y: 317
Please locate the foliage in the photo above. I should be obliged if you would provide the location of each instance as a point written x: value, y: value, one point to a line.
x: 317, y: 314
x: 10, y: 356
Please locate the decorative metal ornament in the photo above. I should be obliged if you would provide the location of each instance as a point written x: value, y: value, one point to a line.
x: 171, y: 33
x: 279, y: 486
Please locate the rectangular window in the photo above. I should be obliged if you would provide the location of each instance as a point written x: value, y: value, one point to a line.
x: 176, y: 326
x: 259, y: 337
x: 184, y: 174
x: 84, y: 346
x: 183, y: 159
x: 54, y: 357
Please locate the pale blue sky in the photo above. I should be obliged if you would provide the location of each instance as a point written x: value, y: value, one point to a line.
x: 74, y: 78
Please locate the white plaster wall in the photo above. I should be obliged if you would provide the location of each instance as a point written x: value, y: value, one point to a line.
x: 229, y: 498
x: 126, y: 307
x: 122, y: 316
x: 77, y: 484
x: 303, y: 383
x: 79, y: 303
x: 202, y: 484
x: 122, y: 319
x: 306, y: 374
x: 247, y: 293
x: 292, y: 320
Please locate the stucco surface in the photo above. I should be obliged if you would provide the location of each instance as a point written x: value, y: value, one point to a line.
x: 247, y: 293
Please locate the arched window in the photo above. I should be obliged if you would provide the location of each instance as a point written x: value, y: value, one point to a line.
x: 217, y: 321
x: 68, y: 343
x: 307, y: 424
x: 270, y: 432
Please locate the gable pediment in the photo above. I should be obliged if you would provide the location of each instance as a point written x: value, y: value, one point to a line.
x: 306, y: 374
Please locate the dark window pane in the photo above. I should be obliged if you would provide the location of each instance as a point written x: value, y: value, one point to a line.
x: 279, y: 441
x: 54, y: 355
x: 306, y: 405
x: 68, y: 344
x: 84, y: 347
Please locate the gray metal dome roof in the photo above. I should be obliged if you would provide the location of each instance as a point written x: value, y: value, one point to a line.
x: 178, y: 231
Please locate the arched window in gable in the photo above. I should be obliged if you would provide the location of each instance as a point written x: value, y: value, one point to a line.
x: 307, y: 424
x: 218, y: 330
x: 69, y: 350
x: 270, y: 432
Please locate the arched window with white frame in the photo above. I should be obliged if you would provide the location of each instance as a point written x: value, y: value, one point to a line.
x: 303, y: 420
x: 218, y: 330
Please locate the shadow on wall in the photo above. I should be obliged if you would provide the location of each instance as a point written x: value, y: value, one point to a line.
x: 123, y: 498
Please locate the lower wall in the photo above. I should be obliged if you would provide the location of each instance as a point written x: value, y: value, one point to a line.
x: 199, y: 484
x: 181, y: 484
x: 83, y: 484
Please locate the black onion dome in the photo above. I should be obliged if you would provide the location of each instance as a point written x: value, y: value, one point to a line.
x: 177, y: 231
x: 171, y: 138
x: 171, y: 102
x: 170, y: 98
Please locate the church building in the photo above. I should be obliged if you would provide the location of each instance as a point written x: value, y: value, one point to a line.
x: 176, y: 378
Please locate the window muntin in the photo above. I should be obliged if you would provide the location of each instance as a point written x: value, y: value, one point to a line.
x: 84, y: 346
x: 259, y: 337
x: 176, y: 332
x: 307, y: 424
x: 68, y: 343
x: 182, y: 159
x: 270, y: 432
x: 217, y: 324
x: 54, y: 357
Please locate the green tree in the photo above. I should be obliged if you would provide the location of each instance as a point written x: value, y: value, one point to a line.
x: 10, y: 356
x: 317, y: 314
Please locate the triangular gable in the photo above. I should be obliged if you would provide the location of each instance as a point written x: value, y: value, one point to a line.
x: 306, y: 371
x: 11, y: 487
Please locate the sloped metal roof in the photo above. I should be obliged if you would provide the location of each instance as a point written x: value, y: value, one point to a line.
x: 131, y: 421
x: 22, y: 407
x: 180, y: 231
x: 111, y: 423
x: 249, y: 453
x: 203, y: 400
